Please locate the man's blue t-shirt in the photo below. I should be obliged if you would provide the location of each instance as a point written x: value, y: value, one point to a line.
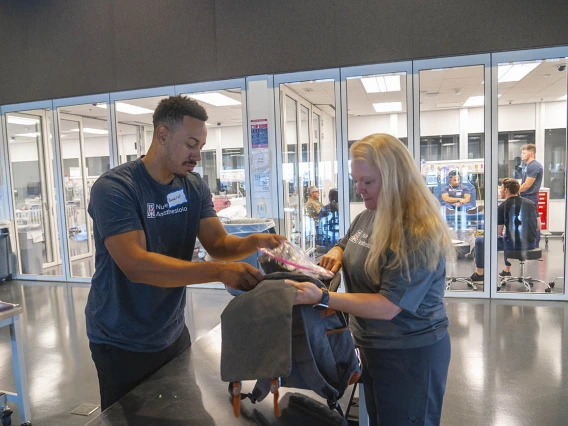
x: 533, y: 169
x: 134, y: 316
x: 455, y: 192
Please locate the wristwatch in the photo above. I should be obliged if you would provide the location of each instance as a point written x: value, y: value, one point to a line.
x: 324, y: 302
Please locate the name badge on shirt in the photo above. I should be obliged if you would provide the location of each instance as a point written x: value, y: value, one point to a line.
x: 176, y: 198
x: 458, y: 193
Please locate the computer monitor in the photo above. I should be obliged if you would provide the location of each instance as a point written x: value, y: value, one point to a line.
x: 34, y: 189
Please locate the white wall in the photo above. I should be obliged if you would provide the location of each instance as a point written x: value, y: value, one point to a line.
x: 517, y: 117
x: 435, y: 123
x: 555, y: 115
x: 448, y: 122
x: 224, y: 137
x: 94, y: 146
x: 23, y: 151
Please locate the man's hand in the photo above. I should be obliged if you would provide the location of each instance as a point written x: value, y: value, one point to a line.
x: 269, y: 241
x: 240, y: 276
x: 332, y: 260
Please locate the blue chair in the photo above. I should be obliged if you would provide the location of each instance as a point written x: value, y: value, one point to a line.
x: 328, y: 229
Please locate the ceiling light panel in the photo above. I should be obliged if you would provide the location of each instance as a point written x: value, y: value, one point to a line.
x: 127, y: 108
x: 388, y: 106
x: 91, y: 131
x: 381, y: 84
x: 517, y: 72
x: 28, y: 135
x: 215, y: 99
x: 20, y: 120
x: 474, y: 101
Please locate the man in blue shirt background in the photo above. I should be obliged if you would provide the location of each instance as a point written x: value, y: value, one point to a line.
x: 456, y: 194
x: 531, y: 175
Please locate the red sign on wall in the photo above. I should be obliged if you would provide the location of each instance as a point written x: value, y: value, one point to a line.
x: 542, y: 209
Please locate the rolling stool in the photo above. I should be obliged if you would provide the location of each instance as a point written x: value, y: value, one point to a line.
x: 523, y: 256
x: 467, y: 280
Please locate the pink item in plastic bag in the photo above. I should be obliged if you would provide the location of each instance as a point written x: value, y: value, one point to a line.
x: 292, y: 258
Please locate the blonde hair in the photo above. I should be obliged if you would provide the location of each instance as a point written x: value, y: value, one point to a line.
x: 407, y: 223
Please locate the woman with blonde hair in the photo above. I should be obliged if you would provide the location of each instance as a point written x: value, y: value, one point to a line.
x: 394, y: 268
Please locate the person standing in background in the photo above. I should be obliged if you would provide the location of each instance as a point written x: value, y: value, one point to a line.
x: 531, y: 175
x: 313, y: 205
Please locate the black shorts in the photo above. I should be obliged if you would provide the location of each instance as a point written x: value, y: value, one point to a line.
x: 120, y: 371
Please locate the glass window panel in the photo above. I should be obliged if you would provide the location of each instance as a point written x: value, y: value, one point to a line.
x: 223, y: 166
x: 555, y: 162
x: 317, y: 153
x: 375, y: 104
x: 233, y: 171
x: 452, y: 135
x: 532, y: 115
x: 309, y: 159
x: 31, y: 151
x: 134, y: 126
x: 292, y: 215
x: 207, y: 168
x: 475, y: 145
x: 85, y: 154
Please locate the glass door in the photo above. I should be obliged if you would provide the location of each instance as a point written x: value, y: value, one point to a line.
x: 453, y: 131
x: 30, y: 150
x: 224, y: 160
x: 133, y: 111
x: 84, y: 129
x: 290, y: 175
x: 307, y: 132
x: 529, y: 104
x: 378, y: 99
x: 75, y: 187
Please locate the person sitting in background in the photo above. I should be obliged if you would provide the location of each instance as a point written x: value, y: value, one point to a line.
x: 519, y: 218
x: 455, y: 194
x: 313, y: 205
x: 328, y: 228
x: 333, y: 205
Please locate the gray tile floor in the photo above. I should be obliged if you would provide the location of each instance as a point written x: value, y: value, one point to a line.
x: 508, y: 357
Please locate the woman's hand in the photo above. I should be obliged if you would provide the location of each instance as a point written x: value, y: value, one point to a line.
x: 308, y: 293
x: 332, y: 260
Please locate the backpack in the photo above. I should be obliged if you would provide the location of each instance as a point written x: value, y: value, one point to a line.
x: 268, y: 339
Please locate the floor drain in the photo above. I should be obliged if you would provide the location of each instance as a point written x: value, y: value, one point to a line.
x: 85, y: 409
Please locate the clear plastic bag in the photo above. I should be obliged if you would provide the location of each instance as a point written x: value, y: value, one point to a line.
x: 289, y: 257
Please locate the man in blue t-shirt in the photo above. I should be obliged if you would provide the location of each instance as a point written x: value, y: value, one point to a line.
x: 147, y: 215
x: 456, y: 194
x: 531, y: 178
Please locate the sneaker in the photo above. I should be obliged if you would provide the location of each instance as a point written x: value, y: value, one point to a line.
x: 476, y: 277
x: 504, y: 274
